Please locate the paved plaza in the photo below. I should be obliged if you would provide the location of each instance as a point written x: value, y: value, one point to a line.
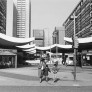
x: 28, y: 76
x: 26, y: 79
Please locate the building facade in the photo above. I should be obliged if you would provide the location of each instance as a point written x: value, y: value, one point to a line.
x: 83, y: 22
x: 39, y: 37
x: 19, y: 18
x: 23, y: 18
x: 47, y: 37
x: 3, y: 4
x: 58, y: 35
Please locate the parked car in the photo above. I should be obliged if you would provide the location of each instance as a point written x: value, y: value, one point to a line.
x: 69, y: 61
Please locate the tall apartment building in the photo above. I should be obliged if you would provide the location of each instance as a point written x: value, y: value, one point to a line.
x: 39, y: 37
x: 19, y: 18
x: 83, y: 22
x: 58, y: 35
x: 3, y: 16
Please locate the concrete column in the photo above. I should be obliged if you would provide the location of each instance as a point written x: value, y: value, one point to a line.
x: 81, y: 59
x: 15, y: 61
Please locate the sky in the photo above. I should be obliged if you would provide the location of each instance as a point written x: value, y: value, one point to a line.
x: 50, y: 13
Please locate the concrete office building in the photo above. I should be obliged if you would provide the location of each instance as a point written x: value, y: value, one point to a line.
x: 58, y: 35
x: 39, y: 37
x: 47, y: 37
x: 83, y: 26
x: 3, y: 16
x: 18, y: 23
x: 83, y: 22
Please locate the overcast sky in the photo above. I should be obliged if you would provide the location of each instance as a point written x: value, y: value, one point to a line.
x: 50, y: 13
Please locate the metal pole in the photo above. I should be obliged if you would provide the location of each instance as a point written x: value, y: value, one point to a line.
x: 74, y: 52
x: 56, y: 46
x: 56, y: 42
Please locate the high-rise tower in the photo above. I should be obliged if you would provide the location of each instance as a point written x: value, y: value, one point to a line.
x: 19, y: 18
x: 23, y: 18
x: 3, y: 16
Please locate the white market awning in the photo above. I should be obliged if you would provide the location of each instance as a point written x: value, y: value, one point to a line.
x: 52, y: 48
x: 43, y: 48
x: 31, y: 49
x: 80, y: 40
x: 13, y: 41
x: 27, y: 46
x: 84, y: 43
x: 31, y: 52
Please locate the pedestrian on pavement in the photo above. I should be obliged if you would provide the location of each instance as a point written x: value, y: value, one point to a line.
x: 41, y: 68
x: 55, y: 70
x: 40, y: 72
x: 43, y: 56
x: 46, y: 72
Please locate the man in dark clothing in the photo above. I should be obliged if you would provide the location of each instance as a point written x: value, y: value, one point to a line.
x: 46, y: 72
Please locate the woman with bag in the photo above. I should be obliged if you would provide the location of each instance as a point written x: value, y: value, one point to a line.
x: 55, y: 70
x: 41, y: 68
x: 40, y: 72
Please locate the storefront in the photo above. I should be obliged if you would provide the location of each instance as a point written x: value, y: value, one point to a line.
x: 8, y: 49
x: 8, y: 58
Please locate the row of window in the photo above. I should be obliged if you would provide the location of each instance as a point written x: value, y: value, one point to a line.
x: 3, y: 11
x: 2, y: 30
x: 3, y: 4
x: 78, y: 10
x: 80, y: 24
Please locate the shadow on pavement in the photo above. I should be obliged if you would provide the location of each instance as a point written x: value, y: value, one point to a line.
x: 19, y: 76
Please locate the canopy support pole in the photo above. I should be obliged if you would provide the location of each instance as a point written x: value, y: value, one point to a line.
x: 15, y: 61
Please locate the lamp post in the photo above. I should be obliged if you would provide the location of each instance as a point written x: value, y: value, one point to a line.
x: 74, y: 51
x: 75, y: 47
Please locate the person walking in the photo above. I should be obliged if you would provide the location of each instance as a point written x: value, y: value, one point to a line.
x: 55, y: 70
x: 41, y: 68
x: 46, y: 72
x: 40, y: 71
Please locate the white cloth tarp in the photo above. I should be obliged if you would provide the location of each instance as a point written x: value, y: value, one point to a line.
x: 31, y: 49
x: 52, y: 48
x: 13, y: 41
x: 55, y: 45
x: 43, y: 48
x: 84, y: 43
x: 31, y: 52
x: 27, y: 46
x: 80, y: 40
